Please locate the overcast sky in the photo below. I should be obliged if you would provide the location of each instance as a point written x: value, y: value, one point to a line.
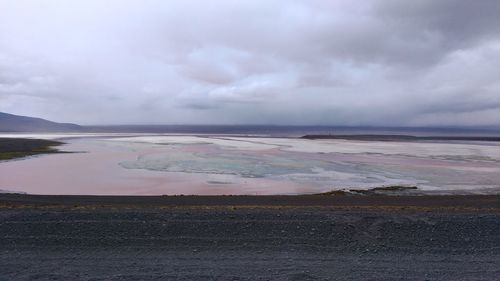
x: 414, y: 63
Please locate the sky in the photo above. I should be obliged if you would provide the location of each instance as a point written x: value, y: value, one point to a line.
x: 284, y: 62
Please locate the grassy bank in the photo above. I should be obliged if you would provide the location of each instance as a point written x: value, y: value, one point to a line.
x: 11, y: 148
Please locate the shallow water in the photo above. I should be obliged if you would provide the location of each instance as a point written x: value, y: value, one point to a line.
x: 155, y: 165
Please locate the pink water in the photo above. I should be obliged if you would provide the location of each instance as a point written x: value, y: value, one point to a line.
x: 95, y: 170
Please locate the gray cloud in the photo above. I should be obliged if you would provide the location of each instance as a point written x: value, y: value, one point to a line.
x: 379, y: 62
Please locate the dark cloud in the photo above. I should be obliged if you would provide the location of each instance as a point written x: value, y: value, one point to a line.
x: 379, y: 62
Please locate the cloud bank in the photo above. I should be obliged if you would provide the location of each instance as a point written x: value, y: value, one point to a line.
x: 380, y: 62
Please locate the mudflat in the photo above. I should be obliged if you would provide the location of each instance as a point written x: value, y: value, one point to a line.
x: 310, y: 237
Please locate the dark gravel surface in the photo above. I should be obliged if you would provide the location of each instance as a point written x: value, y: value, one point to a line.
x: 247, y: 243
x: 476, y: 202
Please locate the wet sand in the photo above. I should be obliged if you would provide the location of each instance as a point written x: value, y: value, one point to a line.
x: 249, y: 237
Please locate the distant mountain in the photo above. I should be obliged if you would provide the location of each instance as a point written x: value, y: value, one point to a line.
x: 16, y: 123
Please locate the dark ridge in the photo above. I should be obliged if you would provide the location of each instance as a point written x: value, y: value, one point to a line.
x: 402, y: 138
x: 19, y: 124
x: 294, y: 131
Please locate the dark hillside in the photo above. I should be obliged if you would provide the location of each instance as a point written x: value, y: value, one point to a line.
x: 16, y: 123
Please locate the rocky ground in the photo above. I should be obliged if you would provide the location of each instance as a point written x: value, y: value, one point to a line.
x: 97, y: 240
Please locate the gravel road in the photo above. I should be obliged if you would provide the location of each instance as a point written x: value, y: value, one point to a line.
x: 247, y: 243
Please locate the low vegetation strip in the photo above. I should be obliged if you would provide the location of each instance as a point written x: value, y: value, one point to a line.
x: 11, y: 148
